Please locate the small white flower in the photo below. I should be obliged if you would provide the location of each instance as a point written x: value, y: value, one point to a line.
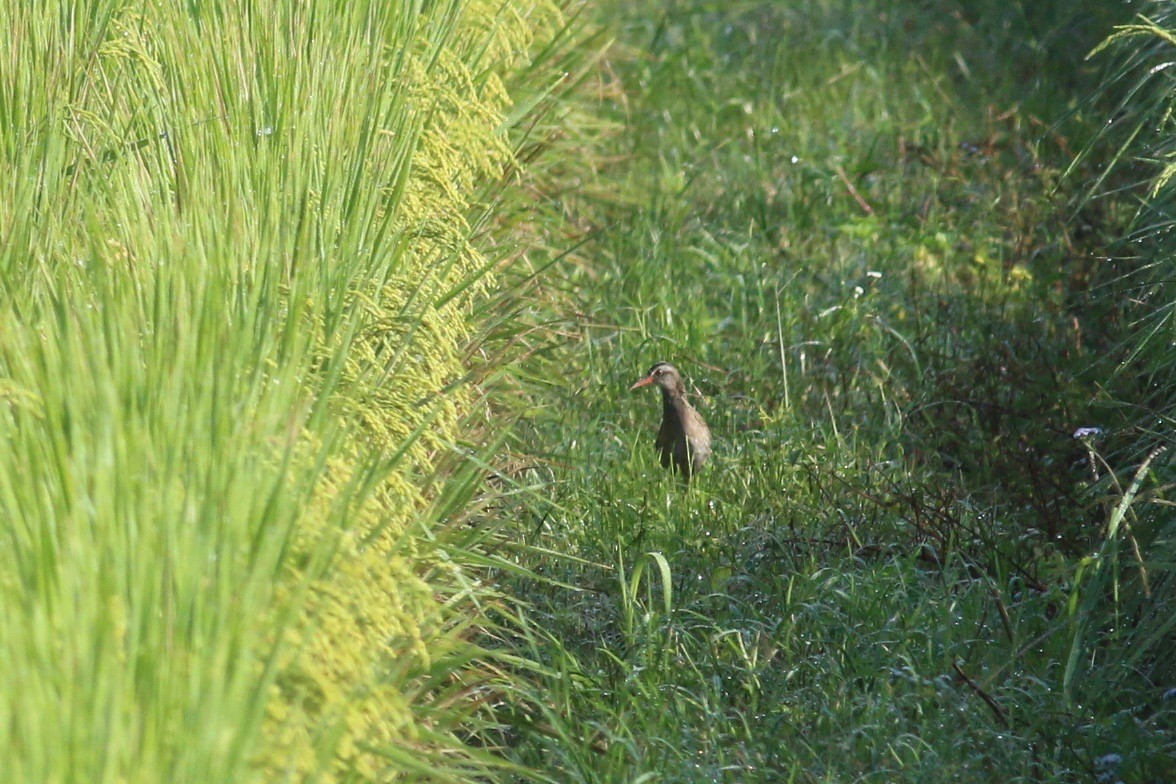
x: 1087, y: 432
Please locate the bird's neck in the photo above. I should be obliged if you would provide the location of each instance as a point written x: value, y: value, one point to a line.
x: 673, y: 401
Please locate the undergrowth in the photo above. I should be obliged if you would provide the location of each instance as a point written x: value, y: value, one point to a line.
x: 855, y: 229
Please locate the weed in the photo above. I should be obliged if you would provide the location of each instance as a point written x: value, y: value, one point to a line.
x: 848, y: 225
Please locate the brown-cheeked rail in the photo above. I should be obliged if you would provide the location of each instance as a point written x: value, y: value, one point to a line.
x: 684, y: 440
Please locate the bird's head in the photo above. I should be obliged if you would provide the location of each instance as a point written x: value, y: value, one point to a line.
x: 665, y: 376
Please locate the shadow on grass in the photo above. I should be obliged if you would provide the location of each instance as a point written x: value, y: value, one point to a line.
x: 848, y: 224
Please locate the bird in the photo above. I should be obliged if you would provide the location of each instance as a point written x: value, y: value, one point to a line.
x: 684, y: 440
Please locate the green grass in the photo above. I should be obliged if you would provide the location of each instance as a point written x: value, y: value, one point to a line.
x: 244, y: 419
x: 234, y: 260
x: 848, y: 225
x: 1140, y: 133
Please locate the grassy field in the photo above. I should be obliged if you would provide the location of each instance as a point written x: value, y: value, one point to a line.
x: 275, y: 277
x: 847, y: 223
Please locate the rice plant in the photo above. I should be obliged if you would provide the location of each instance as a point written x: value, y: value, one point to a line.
x: 237, y: 272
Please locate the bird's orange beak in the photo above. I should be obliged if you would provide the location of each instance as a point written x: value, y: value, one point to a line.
x: 642, y: 383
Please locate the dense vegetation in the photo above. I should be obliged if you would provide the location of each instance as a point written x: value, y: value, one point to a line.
x: 885, y: 244
x: 236, y: 281
x: 317, y: 461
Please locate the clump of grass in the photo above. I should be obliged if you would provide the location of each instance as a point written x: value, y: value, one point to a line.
x: 849, y: 225
x: 1121, y: 607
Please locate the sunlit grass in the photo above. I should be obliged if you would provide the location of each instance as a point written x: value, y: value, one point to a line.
x: 235, y: 272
